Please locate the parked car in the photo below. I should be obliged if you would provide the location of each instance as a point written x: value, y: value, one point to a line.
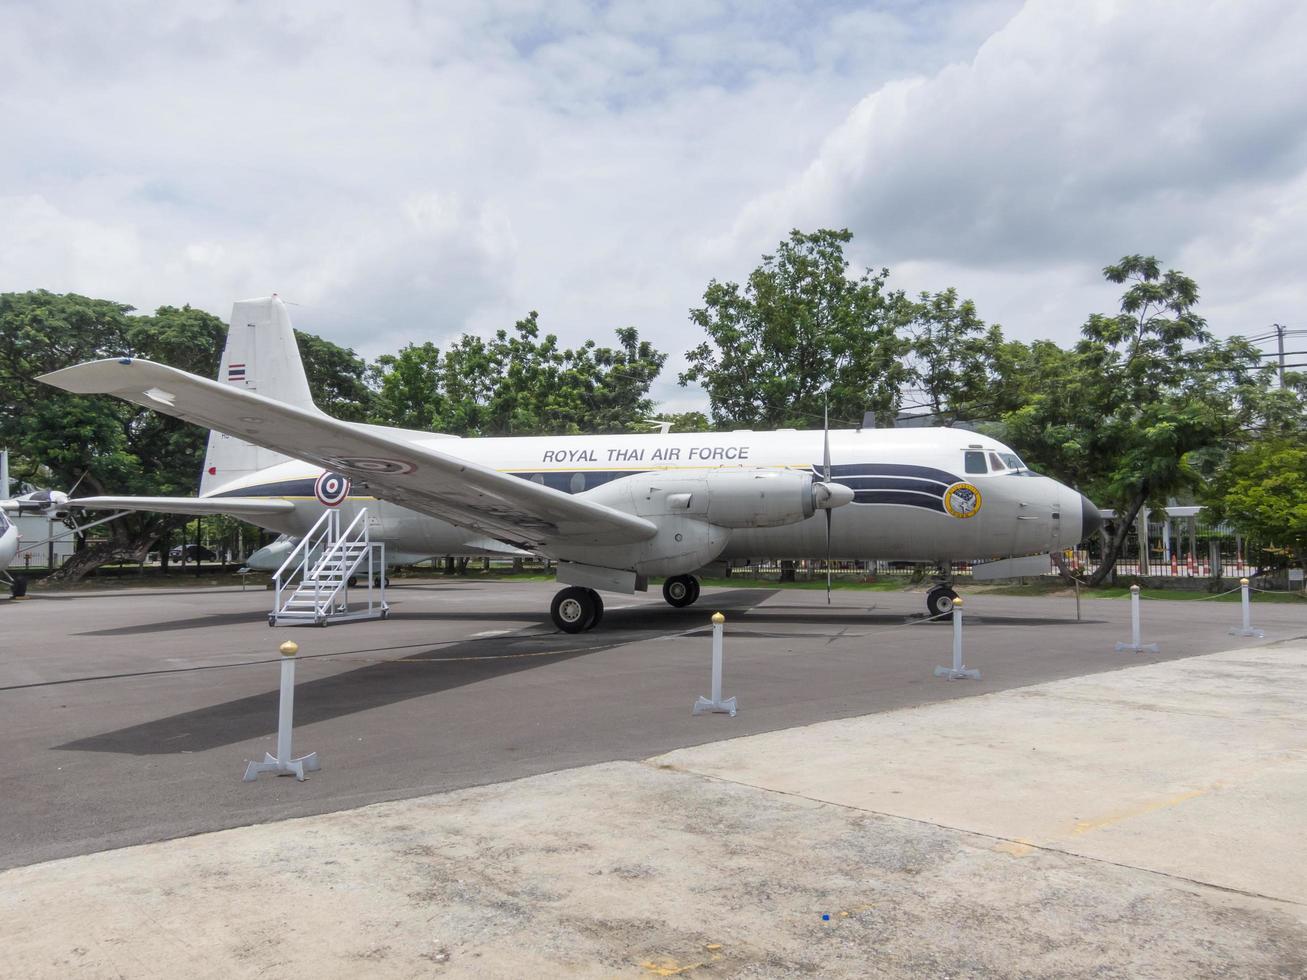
x: 193, y: 552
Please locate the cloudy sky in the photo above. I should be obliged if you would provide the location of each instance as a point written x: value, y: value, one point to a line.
x: 407, y: 171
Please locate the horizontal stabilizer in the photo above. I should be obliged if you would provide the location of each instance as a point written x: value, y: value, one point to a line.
x: 233, y: 506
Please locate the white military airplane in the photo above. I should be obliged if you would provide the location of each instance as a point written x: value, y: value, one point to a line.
x: 610, y: 510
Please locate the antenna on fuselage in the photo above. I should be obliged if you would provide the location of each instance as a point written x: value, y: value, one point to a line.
x: 662, y: 426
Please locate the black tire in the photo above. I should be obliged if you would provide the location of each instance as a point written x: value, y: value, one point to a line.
x: 599, y: 609
x: 352, y: 581
x: 18, y: 588
x: 573, y: 609
x: 939, y: 600
x: 680, y: 591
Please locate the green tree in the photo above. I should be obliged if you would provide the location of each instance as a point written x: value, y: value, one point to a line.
x: 518, y: 383
x: 1262, y: 491
x: 111, y: 446
x: 1146, y: 391
x: 108, y: 445
x: 409, y: 389
x: 954, y: 359
x: 338, y: 378
x: 801, y: 330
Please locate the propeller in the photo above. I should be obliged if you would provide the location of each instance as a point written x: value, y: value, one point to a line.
x: 829, y: 495
x: 825, y: 478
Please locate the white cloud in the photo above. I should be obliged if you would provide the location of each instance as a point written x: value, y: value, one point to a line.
x: 1077, y: 133
x: 408, y: 171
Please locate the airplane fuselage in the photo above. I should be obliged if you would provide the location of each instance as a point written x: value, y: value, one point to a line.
x: 8, y: 542
x: 920, y: 494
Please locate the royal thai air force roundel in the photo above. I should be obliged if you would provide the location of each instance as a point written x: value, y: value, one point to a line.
x: 331, y: 489
x: 962, y: 500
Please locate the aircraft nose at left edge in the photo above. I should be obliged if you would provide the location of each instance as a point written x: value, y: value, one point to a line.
x: 1091, y: 519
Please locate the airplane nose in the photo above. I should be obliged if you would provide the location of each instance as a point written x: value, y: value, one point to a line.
x: 1090, y: 518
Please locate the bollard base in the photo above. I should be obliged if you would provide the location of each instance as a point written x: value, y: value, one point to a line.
x: 1247, y: 631
x: 726, y: 706
x: 1139, y: 647
x: 294, y: 767
x: 957, y: 673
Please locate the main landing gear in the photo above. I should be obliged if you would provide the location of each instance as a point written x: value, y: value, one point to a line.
x: 575, y: 610
x: 939, y: 600
x: 681, y: 590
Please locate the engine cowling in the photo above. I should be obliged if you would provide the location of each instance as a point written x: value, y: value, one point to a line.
x: 759, y: 498
x: 695, y: 511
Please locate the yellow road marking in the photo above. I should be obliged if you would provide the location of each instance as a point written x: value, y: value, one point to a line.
x: 1098, y: 823
x: 1017, y: 848
x: 669, y: 967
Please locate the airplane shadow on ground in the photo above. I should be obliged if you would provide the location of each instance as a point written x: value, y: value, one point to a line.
x: 453, y: 665
x: 386, y: 683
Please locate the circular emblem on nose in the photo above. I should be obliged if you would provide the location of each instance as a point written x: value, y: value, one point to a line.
x: 962, y: 500
x: 331, y: 489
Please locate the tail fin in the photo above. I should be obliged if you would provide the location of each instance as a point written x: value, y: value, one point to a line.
x: 261, y: 356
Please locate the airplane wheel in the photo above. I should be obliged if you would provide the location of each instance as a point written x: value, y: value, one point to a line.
x: 352, y: 581
x: 18, y: 587
x: 575, y: 609
x: 939, y: 600
x: 599, y: 609
x: 681, y: 590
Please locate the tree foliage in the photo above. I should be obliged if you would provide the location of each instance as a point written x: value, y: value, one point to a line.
x: 1123, y: 414
x: 799, y: 331
x: 518, y: 383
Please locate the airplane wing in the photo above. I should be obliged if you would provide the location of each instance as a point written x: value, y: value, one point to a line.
x: 232, y: 506
x: 417, y: 476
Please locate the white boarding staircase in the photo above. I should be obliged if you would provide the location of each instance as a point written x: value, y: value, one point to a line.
x: 313, y: 583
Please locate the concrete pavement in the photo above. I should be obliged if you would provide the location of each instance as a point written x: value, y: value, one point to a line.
x: 1136, y: 823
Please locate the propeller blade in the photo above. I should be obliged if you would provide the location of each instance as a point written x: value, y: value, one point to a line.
x: 825, y: 438
x: 825, y: 433
x: 828, y: 519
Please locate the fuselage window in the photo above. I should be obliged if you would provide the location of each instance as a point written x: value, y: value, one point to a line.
x: 995, y: 463
x: 578, y: 482
x: 975, y: 463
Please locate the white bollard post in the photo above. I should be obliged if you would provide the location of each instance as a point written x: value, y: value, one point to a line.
x: 957, y: 672
x: 1246, y: 601
x: 716, y: 703
x: 283, y: 764
x: 1136, y: 644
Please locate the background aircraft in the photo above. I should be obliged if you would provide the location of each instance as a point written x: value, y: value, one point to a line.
x: 42, y: 503
x: 611, y: 510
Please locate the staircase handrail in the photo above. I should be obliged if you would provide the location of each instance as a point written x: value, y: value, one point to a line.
x: 343, y: 537
x: 306, y: 545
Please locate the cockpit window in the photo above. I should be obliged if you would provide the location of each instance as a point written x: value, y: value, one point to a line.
x: 4, y: 522
x: 995, y: 463
x: 975, y: 463
x: 1014, y: 461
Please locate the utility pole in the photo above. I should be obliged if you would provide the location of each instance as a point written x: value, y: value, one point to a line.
x: 1279, y: 340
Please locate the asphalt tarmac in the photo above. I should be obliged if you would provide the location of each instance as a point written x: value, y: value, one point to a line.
x: 127, y: 717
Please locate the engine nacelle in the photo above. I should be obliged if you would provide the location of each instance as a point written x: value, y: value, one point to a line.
x: 759, y: 498
x: 695, y: 511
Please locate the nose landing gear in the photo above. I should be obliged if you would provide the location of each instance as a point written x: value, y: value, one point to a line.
x: 939, y: 600
x: 681, y: 591
x: 575, y: 610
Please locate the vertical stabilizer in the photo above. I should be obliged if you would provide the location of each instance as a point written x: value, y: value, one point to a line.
x: 261, y: 356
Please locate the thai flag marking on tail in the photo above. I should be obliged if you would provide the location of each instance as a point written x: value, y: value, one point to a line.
x: 235, y: 372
